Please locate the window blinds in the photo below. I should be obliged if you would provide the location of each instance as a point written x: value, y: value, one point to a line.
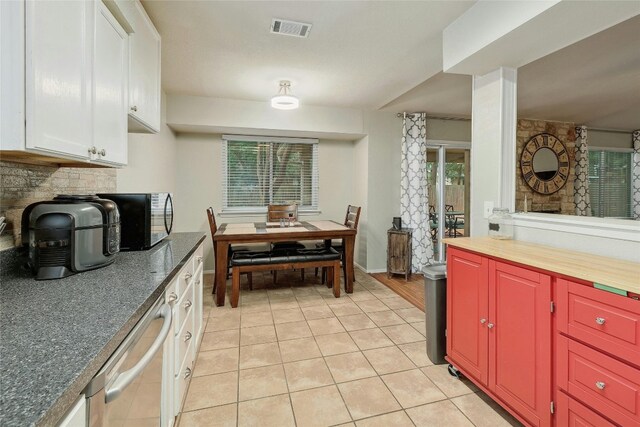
x: 610, y: 183
x: 258, y: 171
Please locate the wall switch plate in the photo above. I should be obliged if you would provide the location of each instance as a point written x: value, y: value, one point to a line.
x: 488, y: 209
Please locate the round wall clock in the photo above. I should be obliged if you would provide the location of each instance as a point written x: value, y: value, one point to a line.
x: 544, y: 163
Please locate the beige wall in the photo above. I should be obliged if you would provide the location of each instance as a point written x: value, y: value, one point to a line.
x: 152, y: 161
x: 199, y: 183
x: 604, y: 139
x: 449, y: 130
x: 360, y: 197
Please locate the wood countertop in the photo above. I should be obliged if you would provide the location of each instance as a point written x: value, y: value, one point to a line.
x: 619, y: 274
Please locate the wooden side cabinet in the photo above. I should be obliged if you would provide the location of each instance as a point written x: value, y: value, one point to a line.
x: 399, y: 252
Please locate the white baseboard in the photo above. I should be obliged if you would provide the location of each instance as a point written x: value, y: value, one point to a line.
x: 208, y: 271
x: 379, y: 270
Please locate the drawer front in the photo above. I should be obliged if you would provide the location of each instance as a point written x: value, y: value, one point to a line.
x: 181, y: 382
x: 184, y: 340
x: 574, y: 414
x: 198, y: 258
x: 184, y: 278
x: 183, y: 307
x: 606, y: 385
x: 607, y: 321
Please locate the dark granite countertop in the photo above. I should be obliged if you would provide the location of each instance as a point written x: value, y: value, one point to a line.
x: 56, y: 334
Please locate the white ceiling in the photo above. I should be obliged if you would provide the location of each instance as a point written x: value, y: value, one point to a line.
x: 358, y: 54
x: 594, y: 82
x: 385, y: 54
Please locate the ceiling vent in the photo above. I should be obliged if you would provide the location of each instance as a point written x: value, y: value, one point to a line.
x: 290, y: 28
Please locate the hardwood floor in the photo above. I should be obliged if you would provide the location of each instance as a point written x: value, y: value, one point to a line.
x: 411, y: 290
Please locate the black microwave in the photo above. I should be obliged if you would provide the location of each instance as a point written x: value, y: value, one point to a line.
x: 145, y: 218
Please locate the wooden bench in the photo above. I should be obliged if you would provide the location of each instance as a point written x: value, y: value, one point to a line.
x: 242, y: 262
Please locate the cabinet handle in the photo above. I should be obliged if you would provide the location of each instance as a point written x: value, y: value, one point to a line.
x: 187, y: 336
x: 173, y: 297
x: 134, y: 108
x: 187, y: 304
x: 490, y: 325
x: 600, y: 320
x: 483, y: 321
x: 199, y: 260
x: 187, y: 373
x: 103, y: 152
x: 188, y: 276
x: 600, y: 385
x: 92, y: 150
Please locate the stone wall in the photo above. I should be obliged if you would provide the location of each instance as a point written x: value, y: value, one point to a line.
x: 562, y: 200
x: 23, y: 184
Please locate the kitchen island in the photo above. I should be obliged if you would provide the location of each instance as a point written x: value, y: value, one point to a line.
x: 55, y: 335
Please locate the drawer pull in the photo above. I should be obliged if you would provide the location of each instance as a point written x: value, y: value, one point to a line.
x: 483, y: 321
x: 172, y: 297
x: 187, y: 373
x: 199, y: 260
x: 188, y: 304
x: 490, y: 325
x: 187, y: 276
x: 187, y: 336
x: 600, y: 320
x: 600, y: 385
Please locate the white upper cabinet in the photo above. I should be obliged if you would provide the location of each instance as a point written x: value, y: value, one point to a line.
x: 144, y: 71
x: 110, y: 89
x: 58, y: 76
x: 64, y: 78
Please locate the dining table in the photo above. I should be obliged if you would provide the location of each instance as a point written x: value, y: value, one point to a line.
x: 272, y: 232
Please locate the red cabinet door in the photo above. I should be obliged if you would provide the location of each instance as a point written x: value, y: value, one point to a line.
x: 520, y: 340
x: 467, y: 312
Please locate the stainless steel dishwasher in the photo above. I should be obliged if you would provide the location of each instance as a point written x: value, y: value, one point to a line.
x: 130, y: 388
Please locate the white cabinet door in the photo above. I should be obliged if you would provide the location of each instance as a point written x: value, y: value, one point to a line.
x: 144, y: 73
x: 110, y: 91
x: 58, y: 76
x: 77, y: 416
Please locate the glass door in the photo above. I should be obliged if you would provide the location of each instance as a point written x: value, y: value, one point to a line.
x: 447, y: 174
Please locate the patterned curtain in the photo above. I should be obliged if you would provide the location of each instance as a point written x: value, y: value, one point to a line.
x: 581, y: 184
x: 635, y: 174
x: 413, y: 188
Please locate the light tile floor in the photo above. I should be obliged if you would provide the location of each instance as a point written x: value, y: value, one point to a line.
x: 297, y: 356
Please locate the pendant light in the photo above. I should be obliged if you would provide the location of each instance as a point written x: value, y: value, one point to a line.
x: 284, y: 100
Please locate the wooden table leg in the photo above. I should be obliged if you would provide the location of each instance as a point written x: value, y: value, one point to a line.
x: 222, y: 251
x: 349, y: 243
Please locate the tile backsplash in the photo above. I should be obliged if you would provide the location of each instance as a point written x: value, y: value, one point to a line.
x: 23, y: 184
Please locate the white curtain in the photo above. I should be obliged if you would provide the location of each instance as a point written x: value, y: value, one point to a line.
x: 413, y: 188
x: 636, y: 174
x: 581, y: 184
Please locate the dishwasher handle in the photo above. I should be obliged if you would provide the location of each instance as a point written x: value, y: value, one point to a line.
x: 123, y: 380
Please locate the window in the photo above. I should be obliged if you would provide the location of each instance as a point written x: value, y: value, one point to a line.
x: 259, y: 171
x: 610, y: 183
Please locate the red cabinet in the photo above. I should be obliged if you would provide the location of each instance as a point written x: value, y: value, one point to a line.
x: 499, y: 331
x: 520, y: 340
x: 468, y: 313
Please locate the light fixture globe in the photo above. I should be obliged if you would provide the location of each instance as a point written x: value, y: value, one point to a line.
x: 284, y: 100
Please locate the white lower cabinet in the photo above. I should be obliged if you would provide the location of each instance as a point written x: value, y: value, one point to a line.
x: 77, y: 416
x: 187, y: 313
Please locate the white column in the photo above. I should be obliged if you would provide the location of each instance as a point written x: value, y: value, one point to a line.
x: 493, y: 145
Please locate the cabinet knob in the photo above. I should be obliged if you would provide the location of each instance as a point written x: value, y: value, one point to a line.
x: 188, y: 276
x: 483, y: 321
x: 600, y: 320
x: 92, y: 150
x: 490, y: 325
x: 103, y: 152
x: 187, y: 336
x: 187, y: 373
x: 134, y: 108
x: 600, y: 385
x: 187, y: 304
x: 199, y: 260
x: 173, y: 297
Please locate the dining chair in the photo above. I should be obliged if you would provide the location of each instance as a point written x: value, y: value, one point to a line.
x: 213, y: 227
x: 288, y: 212
x: 351, y: 220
